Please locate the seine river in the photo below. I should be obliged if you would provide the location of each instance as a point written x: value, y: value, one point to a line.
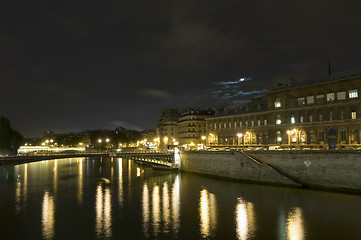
x: 113, y: 198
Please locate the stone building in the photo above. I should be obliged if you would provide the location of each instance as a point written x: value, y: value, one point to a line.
x: 191, y: 128
x: 167, y: 127
x: 323, y: 114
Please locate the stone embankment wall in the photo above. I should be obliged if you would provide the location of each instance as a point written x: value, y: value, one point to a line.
x: 336, y: 170
x: 232, y: 165
x: 333, y: 170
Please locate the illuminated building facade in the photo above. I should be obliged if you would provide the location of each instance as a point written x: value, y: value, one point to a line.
x: 321, y: 115
x: 191, y: 128
x: 167, y: 127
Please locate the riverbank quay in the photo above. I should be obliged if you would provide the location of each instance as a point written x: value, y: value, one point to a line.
x: 27, y: 159
x: 330, y: 170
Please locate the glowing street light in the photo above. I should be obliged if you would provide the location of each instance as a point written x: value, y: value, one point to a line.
x: 99, y: 140
x: 239, y: 135
x: 107, y: 140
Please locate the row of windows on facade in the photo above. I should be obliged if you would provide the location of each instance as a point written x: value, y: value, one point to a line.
x: 303, y: 137
x: 320, y: 117
x: 278, y: 121
x: 330, y: 96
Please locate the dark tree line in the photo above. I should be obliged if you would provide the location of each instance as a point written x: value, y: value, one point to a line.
x: 10, y: 139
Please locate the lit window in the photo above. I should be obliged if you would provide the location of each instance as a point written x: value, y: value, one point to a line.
x: 246, y: 123
x: 230, y: 125
x: 293, y: 120
x: 259, y: 122
x: 240, y: 124
x: 252, y: 123
x: 353, y: 93
x: 310, y: 118
x: 278, y: 137
x: 301, y: 119
x: 331, y: 116
x: 353, y: 115
x: 301, y: 101
x: 235, y: 124
x: 265, y: 122
x: 319, y: 98
x: 277, y: 103
x: 341, y: 95
x: 278, y: 120
x: 330, y: 96
x: 310, y: 99
x: 225, y: 125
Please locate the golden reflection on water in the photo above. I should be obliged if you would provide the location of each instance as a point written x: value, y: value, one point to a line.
x: 160, y: 209
x: 208, y: 213
x: 245, y: 219
x: 21, y: 191
x: 120, y: 180
x: 48, y: 216
x: 156, y: 209
x: 103, y: 226
x: 295, y: 226
x: 80, y: 181
x: 175, y: 205
x: 145, y: 206
x: 166, y: 210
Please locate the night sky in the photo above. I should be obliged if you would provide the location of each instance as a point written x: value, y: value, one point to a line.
x: 82, y: 65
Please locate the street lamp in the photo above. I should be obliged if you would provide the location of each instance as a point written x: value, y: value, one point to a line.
x: 239, y: 135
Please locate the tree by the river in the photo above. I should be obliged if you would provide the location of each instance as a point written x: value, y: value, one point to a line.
x: 10, y: 139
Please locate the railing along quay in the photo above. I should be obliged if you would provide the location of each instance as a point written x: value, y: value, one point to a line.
x: 157, y: 158
x: 27, y: 159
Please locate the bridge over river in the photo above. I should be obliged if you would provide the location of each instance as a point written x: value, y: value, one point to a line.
x: 165, y: 161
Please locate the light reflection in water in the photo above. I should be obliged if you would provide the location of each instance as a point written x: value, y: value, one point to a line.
x: 156, y: 209
x: 245, y: 219
x: 18, y: 190
x: 208, y: 213
x: 80, y: 181
x: 103, y: 212
x: 48, y: 216
x: 138, y: 172
x: 145, y: 205
x: 55, y: 179
x: 175, y: 205
x: 295, y: 226
x: 166, y: 210
x: 120, y: 176
x: 21, y: 190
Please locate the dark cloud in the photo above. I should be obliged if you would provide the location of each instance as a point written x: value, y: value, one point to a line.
x: 89, y: 64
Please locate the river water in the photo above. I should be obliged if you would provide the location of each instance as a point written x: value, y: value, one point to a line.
x: 114, y: 198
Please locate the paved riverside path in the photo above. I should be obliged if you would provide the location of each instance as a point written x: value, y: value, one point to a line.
x: 27, y: 159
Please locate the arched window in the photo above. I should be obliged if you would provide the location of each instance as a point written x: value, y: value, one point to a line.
x: 343, y: 135
x: 303, y: 137
x: 355, y: 136
x: 321, y: 135
x: 277, y: 103
x: 278, y: 119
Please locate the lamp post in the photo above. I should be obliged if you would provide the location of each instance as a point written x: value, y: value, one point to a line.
x: 204, y: 142
x: 99, y: 142
x: 239, y: 135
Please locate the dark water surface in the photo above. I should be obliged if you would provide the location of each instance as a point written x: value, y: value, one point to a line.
x: 111, y: 198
